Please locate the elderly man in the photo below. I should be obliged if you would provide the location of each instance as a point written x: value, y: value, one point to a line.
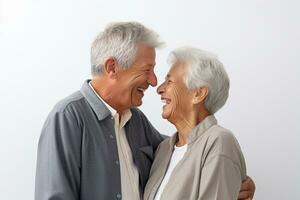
x: 95, y: 144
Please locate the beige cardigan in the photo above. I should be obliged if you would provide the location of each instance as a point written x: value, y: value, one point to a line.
x: 213, y: 166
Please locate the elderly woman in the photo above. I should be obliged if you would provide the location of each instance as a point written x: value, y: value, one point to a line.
x: 202, y: 160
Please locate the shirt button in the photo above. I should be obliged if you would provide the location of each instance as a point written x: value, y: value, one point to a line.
x: 111, y: 117
x: 119, y: 196
x: 117, y: 162
x: 111, y: 136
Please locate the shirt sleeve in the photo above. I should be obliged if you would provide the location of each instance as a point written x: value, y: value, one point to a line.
x: 220, y: 179
x: 58, y: 160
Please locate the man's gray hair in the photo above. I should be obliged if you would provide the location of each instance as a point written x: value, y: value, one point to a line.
x: 203, y: 69
x: 119, y: 40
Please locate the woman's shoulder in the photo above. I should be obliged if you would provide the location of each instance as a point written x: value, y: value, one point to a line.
x: 221, y: 134
x: 221, y: 141
x: 167, y: 144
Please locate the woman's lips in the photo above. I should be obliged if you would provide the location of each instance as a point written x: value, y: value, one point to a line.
x: 165, y: 100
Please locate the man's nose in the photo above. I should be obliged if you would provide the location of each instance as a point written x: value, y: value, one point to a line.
x: 152, y: 80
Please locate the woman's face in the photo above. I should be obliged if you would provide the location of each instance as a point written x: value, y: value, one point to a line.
x: 176, y: 97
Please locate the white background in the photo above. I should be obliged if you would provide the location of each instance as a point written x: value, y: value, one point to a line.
x: 44, y: 56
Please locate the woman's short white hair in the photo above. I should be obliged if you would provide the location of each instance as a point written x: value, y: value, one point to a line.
x: 203, y: 69
x: 119, y: 40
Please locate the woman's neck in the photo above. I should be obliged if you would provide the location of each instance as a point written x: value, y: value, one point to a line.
x: 185, y: 125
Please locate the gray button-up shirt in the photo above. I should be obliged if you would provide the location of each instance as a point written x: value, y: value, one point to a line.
x: 78, y: 155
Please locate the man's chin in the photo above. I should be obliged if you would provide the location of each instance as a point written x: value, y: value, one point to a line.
x: 137, y: 103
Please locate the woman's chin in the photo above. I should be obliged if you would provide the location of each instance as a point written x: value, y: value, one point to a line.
x: 167, y: 117
x: 164, y: 115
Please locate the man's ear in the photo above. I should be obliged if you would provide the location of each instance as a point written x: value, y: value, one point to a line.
x: 200, y: 94
x: 110, y: 66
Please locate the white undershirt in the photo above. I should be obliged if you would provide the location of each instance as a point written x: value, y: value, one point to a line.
x: 177, y: 155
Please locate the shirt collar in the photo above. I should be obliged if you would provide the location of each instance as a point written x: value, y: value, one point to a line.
x: 125, y: 116
x: 201, y: 128
x: 197, y: 131
x: 112, y: 111
x: 98, y: 107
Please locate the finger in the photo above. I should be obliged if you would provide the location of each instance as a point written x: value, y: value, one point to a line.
x: 244, y: 195
x: 246, y: 184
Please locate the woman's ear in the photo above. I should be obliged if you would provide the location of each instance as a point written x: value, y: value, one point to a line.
x: 200, y: 94
x: 110, y: 66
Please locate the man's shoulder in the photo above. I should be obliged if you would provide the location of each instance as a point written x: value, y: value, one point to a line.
x: 65, y: 111
x: 139, y: 120
x: 139, y: 117
x: 73, y: 100
x: 137, y: 113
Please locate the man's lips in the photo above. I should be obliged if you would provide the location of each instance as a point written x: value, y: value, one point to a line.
x: 141, y: 89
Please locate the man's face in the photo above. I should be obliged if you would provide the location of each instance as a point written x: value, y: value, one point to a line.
x: 175, y: 95
x: 133, y: 82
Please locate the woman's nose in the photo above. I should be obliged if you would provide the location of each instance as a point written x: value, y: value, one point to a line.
x: 160, y: 88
